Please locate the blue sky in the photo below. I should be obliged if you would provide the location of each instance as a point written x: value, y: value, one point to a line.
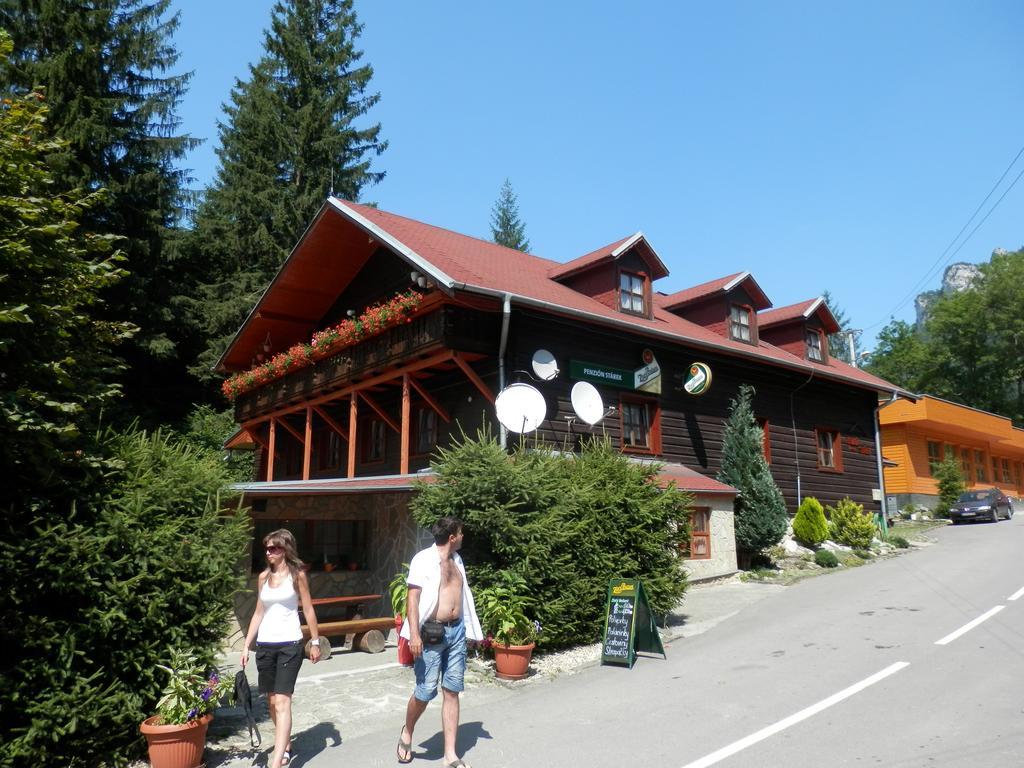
x: 837, y: 145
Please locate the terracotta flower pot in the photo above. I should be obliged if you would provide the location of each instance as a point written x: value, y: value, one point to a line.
x: 176, y: 746
x: 511, y: 662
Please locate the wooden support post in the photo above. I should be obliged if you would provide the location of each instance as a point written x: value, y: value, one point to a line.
x: 473, y: 377
x: 353, y: 442
x: 403, y: 466
x: 270, y: 449
x: 429, y: 399
x: 307, y: 445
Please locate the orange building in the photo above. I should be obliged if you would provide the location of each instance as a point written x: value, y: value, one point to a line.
x: 916, y: 435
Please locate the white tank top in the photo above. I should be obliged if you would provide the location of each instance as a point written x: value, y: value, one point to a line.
x: 280, y: 622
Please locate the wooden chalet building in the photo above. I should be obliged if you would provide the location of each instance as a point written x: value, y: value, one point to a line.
x: 342, y: 432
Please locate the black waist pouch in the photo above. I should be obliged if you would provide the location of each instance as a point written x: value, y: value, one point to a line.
x: 432, y: 632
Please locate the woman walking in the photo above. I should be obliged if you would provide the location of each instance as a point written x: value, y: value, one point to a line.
x: 278, y: 634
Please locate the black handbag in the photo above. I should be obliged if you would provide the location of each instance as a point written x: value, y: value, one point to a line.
x: 432, y: 632
x: 243, y: 696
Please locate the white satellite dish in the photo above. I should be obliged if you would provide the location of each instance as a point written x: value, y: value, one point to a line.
x: 520, y: 408
x: 545, y: 365
x: 587, y: 402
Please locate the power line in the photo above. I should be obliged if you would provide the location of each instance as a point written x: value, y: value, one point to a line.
x: 943, y: 259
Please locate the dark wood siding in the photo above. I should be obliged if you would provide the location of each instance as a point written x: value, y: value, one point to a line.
x: 691, y: 427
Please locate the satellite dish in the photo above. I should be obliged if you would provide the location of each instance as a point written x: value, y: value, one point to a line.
x: 587, y: 402
x: 520, y: 408
x: 545, y: 365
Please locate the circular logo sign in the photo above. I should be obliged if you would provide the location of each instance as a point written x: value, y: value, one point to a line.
x: 698, y: 380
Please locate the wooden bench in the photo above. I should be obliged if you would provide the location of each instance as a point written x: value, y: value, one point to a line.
x: 364, y: 634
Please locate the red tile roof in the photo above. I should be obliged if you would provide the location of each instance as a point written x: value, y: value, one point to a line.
x: 800, y: 311
x: 463, y: 263
x: 610, y: 252
x: 722, y: 285
x: 687, y: 479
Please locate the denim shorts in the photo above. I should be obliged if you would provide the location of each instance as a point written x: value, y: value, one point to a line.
x: 278, y: 665
x: 444, y: 661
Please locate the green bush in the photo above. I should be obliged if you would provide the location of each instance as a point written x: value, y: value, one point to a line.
x: 848, y: 524
x: 562, y: 525
x: 99, y: 596
x: 826, y: 559
x: 950, y: 479
x: 810, y: 526
x: 864, y: 554
x: 898, y: 541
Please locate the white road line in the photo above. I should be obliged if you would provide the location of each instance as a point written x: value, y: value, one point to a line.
x: 803, y: 714
x: 1016, y: 594
x: 969, y: 626
x: 345, y: 673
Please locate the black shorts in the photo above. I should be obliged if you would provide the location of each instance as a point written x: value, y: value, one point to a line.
x: 278, y: 665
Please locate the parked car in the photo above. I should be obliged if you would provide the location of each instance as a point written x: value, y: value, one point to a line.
x: 981, y: 504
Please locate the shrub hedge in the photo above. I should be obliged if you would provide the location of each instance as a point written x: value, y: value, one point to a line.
x: 810, y: 526
x: 562, y: 524
x: 848, y: 524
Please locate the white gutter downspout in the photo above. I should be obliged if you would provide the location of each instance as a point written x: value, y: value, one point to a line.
x: 506, y: 313
x: 878, y: 461
x: 796, y: 441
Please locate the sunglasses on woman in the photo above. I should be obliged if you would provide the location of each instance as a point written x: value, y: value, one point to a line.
x: 273, y: 549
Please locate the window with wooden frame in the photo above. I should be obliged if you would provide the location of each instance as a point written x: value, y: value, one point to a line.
x: 830, y: 449
x: 965, y: 462
x: 326, y: 545
x: 979, y: 466
x: 1006, y: 471
x: 995, y: 470
x: 374, y: 440
x: 632, y: 293
x: 700, y: 534
x: 815, y: 345
x: 328, y: 449
x: 424, y: 430
x: 739, y: 323
x: 641, y: 425
x: 1018, y: 473
x: 766, y: 440
x: 934, y: 456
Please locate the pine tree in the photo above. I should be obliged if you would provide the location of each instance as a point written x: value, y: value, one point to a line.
x: 839, y: 343
x: 103, y: 68
x: 290, y: 138
x: 760, y: 510
x: 506, y: 227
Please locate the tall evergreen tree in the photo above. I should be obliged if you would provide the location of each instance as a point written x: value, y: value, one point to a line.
x: 56, y: 359
x: 839, y: 343
x: 760, y: 509
x: 103, y: 66
x: 506, y: 227
x: 290, y: 138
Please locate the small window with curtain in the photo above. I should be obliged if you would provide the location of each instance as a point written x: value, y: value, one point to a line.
x: 739, y: 323
x: 814, y: 347
x: 700, y: 534
x: 829, y: 450
x: 632, y: 290
x: 641, y: 428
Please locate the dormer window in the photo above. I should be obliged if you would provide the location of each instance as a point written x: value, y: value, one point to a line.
x: 739, y: 323
x: 814, y: 347
x: 632, y: 289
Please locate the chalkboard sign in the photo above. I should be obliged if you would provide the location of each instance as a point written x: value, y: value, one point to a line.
x: 628, y: 624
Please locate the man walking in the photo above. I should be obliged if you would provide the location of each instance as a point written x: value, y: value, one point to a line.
x: 440, y: 616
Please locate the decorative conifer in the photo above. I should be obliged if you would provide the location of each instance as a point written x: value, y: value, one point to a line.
x: 760, y: 509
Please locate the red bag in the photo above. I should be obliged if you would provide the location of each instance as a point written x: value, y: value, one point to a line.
x: 404, y: 654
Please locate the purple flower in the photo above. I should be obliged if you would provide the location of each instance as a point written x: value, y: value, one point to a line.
x: 206, y: 694
x: 192, y: 713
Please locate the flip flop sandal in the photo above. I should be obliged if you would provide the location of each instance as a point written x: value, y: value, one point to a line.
x: 457, y: 764
x: 286, y: 758
x: 404, y: 747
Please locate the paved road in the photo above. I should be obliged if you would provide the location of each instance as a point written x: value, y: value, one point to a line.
x: 841, y: 670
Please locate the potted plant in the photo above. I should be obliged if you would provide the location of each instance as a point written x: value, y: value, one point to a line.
x: 177, y: 733
x: 398, y: 588
x: 511, y: 632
